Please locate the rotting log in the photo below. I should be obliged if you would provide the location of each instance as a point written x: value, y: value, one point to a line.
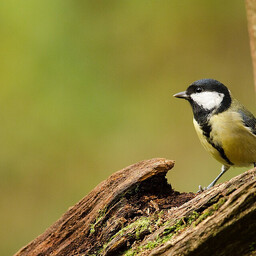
x: 136, y: 212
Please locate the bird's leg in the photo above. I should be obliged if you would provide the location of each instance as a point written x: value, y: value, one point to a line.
x: 224, y: 168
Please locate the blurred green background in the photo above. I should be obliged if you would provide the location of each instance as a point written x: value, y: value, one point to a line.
x: 86, y: 89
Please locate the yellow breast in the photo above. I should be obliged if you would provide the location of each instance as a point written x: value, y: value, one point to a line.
x: 228, y: 131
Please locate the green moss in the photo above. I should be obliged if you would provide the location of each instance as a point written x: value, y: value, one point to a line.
x: 203, y: 216
x: 101, y: 214
x: 159, y: 218
x: 144, y: 223
x: 192, y: 217
x: 219, y: 203
x: 167, y: 234
x: 137, y: 227
x: 137, y: 189
x: 252, y: 246
x: 209, y: 211
x: 168, y: 230
x: 181, y: 224
x: 129, y: 252
x: 92, y: 228
x: 151, y: 244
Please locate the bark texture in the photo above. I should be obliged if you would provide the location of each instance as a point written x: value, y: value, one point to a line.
x: 136, y: 212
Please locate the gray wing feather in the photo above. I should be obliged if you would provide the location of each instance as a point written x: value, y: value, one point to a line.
x: 248, y: 119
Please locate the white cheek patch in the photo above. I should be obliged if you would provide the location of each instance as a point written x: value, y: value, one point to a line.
x: 208, y: 100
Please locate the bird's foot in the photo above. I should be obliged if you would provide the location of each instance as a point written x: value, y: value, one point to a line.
x: 201, y: 189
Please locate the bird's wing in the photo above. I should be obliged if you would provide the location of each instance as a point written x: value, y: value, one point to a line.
x: 248, y: 119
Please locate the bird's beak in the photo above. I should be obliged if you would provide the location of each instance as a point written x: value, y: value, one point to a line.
x: 181, y: 95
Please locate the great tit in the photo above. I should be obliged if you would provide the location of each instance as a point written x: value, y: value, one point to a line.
x: 224, y: 126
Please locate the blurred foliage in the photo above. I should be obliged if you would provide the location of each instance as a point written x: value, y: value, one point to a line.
x: 86, y: 89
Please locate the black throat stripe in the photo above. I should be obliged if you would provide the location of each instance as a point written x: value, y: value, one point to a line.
x: 206, y: 127
x: 201, y: 115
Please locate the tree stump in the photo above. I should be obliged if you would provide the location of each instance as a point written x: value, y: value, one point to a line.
x: 136, y: 212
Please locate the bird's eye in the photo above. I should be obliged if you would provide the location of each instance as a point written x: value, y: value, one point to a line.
x: 199, y: 89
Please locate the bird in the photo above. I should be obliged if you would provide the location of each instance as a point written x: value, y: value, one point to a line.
x: 225, y: 128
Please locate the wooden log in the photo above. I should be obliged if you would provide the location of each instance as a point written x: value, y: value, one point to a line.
x: 136, y: 212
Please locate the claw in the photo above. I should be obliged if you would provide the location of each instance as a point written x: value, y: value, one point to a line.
x: 201, y: 189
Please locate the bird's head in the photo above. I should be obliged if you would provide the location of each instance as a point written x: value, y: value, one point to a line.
x: 207, y: 96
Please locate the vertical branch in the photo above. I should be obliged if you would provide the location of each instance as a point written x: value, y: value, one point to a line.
x: 251, y: 17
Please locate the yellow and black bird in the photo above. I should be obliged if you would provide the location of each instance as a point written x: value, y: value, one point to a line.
x: 224, y: 126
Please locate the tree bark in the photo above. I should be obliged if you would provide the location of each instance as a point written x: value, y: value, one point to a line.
x: 251, y: 17
x: 136, y: 212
